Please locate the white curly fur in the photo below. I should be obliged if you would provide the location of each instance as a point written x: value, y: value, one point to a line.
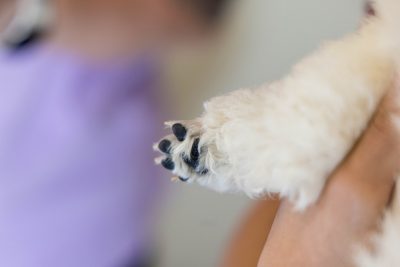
x: 288, y: 136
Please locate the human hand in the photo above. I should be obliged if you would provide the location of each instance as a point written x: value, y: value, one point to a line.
x: 351, y: 205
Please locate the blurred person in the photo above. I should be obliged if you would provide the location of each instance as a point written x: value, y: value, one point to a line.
x: 80, y: 108
x: 29, y: 20
x: 6, y: 11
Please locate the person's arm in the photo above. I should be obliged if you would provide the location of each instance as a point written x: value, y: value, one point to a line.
x: 351, y: 206
x: 248, y: 241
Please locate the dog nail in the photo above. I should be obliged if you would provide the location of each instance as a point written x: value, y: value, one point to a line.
x: 179, y: 131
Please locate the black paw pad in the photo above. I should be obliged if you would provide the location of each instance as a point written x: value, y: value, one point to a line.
x: 204, y: 172
x: 168, y: 164
x: 193, y: 160
x: 183, y: 179
x: 194, y: 153
x: 179, y: 131
x: 191, y: 163
x: 165, y: 146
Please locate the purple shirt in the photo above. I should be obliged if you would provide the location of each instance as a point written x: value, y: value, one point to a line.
x: 77, y: 182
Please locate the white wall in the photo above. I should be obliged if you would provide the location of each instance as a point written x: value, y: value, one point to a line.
x: 263, y: 38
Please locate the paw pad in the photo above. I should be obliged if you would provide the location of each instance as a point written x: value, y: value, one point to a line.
x: 168, y: 164
x: 165, y: 146
x: 179, y: 131
x: 181, y: 152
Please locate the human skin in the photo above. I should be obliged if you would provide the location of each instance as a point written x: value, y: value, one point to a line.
x: 351, y: 206
x: 246, y: 245
x: 7, y: 8
x: 348, y: 212
x: 110, y: 29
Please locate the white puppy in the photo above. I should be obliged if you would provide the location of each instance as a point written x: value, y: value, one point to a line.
x: 288, y: 136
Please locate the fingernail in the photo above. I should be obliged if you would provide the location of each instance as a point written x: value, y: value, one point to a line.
x: 179, y: 131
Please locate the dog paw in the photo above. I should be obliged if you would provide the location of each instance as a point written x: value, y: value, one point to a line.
x: 184, y: 151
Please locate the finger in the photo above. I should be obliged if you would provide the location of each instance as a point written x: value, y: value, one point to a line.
x: 378, y: 150
x: 365, y: 179
x: 179, y: 131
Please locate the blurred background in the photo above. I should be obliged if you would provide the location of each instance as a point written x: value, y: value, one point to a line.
x: 255, y: 41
